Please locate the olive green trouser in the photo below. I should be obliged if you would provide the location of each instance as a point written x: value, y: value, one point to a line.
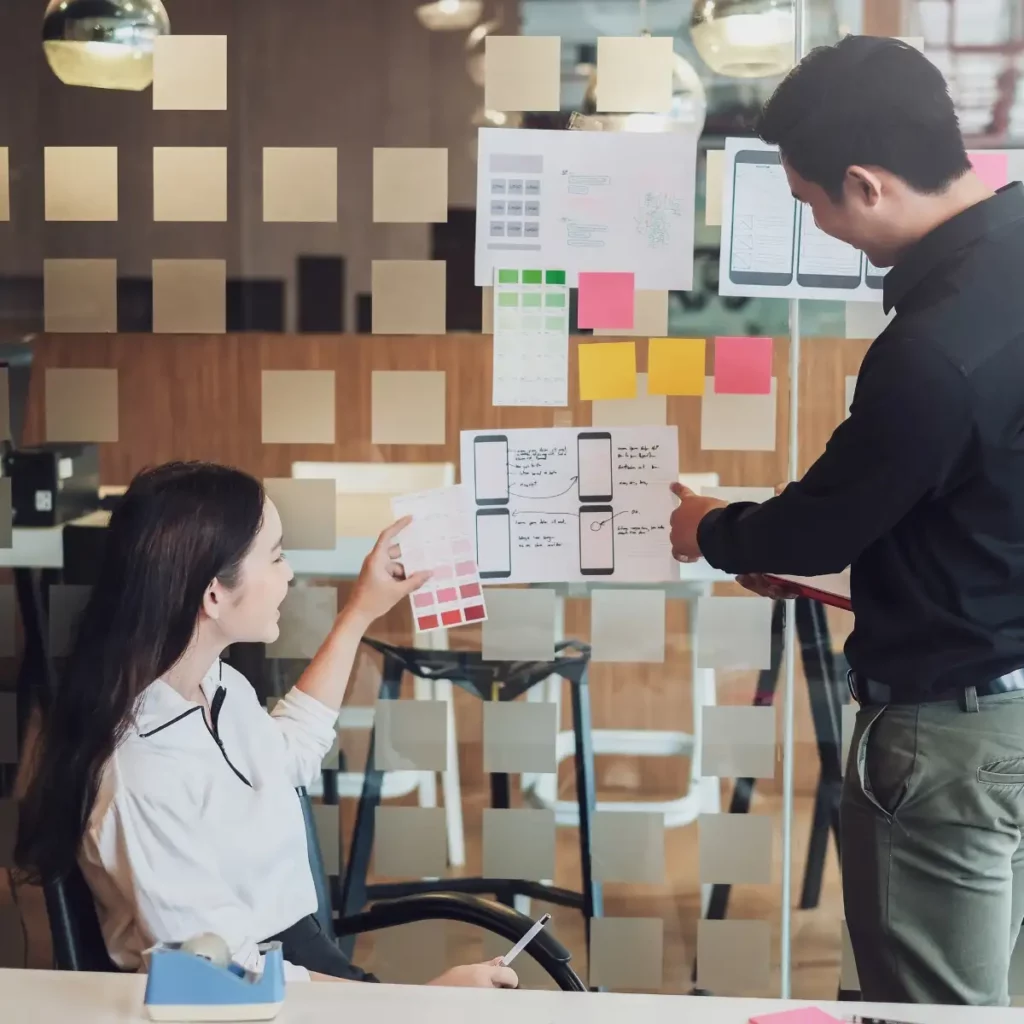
x: 933, y: 862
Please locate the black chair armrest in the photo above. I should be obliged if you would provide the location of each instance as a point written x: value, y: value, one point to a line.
x: 552, y: 956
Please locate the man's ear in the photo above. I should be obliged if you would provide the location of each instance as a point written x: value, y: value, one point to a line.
x: 863, y: 183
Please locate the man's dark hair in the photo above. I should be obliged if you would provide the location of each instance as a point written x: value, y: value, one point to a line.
x: 870, y: 101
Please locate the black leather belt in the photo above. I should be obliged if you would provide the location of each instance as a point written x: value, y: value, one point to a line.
x: 870, y: 691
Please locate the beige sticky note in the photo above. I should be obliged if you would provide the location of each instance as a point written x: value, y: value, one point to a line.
x: 519, y: 736
x: 407, y: 406
x: 328, y: 833
x: 6, y: 514
x: 737, y: 423
x: 738, y: 742
x: 849, y: 979
x: 7, y: 618
x: 734, y: 632
x: 5, y: 183
x: 5, y: 404
x: 410, y: 842
x: 735, y: 849
x: 519, y: 843
x: 627, y: 625
x: 189, y: 296
x: 8, y: 728
x: 308, y: 512
x: 363, y: 515
x: 627, y: 953
x: 522, y: 72
x: 520, y: 624
x: 190, y: 183
x: 80, y: 296
x: 867, y: 319
x: 80, y: 182
x: 410, y: 186
x: 81, y: 405
x: 67, y: 602
x: 298, y: 406
x: 714, y: 179
x: 190, y: 72
x: 300, y: 184
x: 408, y: 297
x: 412, y: 954
x: 634, y: 74
x: 848, y: 722
x: 8, y: 832
x: 487, y: 309
x: 731, y: 494
x: 650, y: 317
x: 645, y: 410
x: 410, y: 735
x: 629, y: 847
x: 307, y: 615
x: 850, y: 386
x: 734, y: 957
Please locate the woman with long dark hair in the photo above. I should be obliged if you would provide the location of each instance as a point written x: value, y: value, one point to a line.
x: 157, y: 770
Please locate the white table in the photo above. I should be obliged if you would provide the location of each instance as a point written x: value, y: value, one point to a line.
x: 52, y: 997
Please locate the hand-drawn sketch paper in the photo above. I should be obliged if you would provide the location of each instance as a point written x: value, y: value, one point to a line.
x: 591, y: 201
x: 561, y: 504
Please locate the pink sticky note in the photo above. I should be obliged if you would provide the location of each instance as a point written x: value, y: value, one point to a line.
x: 743, y: 366
x: 992, y: 168
x: 802, y: 1015
x: 605, y: 300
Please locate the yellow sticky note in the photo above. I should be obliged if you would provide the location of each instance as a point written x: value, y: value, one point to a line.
x: 675, y: 366
x: 608, y: 370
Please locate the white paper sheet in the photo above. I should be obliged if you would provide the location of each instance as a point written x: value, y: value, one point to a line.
x: 568, y: 504
x: 531, y: 338
x: 613, y: 201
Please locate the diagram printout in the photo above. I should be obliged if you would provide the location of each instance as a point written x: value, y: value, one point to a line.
x: 568, y: 504
x: 591, y: 201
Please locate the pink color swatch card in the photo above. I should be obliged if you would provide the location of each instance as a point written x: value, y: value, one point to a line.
x: 992, y: 167
x: 743, y: 366
x: 801, y: 1015
x: 605, y: 301
x: 441, y: 538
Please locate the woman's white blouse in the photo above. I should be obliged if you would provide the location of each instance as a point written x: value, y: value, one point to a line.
x: 202, y: 831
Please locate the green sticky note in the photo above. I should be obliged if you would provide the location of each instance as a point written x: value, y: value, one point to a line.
x: 532, y: 299
x: 508, y: 299
x: 554, y: 276
x: 554, y: 299
x: 508, y: 277
x: 532, y: 277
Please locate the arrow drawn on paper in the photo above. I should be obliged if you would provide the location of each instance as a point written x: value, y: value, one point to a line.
x: 545, y: 497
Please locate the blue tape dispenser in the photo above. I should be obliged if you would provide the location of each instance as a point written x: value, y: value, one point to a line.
x: 197, y: 981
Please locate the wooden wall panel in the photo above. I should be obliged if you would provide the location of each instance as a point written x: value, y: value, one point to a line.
x: 199, y: 398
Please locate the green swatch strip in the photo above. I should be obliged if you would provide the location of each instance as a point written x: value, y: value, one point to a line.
x: 555, y: 276
x: 532, y: 277
x: 554, y: 299
x: 531, y: 299
x: 508, y: 277
x: 508, y: 299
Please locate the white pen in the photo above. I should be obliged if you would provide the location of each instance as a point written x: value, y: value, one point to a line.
x: 524, y: 941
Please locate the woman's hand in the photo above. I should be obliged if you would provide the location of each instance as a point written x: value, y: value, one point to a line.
x: 382, y: 582
x: 492, y: 974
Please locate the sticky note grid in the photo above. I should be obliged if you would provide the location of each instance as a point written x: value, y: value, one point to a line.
x: 440, y: 539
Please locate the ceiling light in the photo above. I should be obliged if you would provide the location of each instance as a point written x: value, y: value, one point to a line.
x: 449, y: 15
x: 744, y: 38
x: 104, y: 44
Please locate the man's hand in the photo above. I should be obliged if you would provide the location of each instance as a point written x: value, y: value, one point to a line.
x: 492, y: 974
x: 685, y: 520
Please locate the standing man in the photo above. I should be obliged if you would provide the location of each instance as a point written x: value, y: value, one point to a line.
x: 921, y: 490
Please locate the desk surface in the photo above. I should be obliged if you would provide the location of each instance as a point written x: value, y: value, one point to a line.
x: 51, y: 997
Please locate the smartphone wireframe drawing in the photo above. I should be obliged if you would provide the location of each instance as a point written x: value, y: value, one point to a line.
x: 597, y: 540
x: 825, y: 262
x: 494, y: 543
x: 594, y: 455
x: 874, y: 277
x: 763, y: 220
x: 490, y: 469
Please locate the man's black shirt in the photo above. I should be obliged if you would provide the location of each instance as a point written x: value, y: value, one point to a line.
x: 921, y: 489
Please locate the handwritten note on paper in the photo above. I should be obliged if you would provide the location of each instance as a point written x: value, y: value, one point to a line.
x: 440, y: 539
x: 572, y: 504
x: 531, y: 337
x: 587, y: 201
